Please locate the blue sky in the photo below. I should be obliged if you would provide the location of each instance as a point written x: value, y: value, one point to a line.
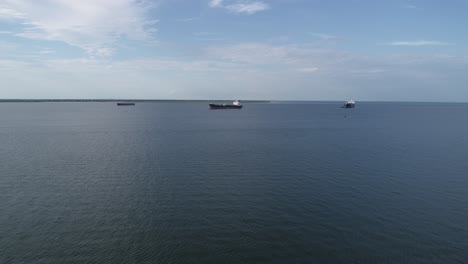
x: 399, y: 50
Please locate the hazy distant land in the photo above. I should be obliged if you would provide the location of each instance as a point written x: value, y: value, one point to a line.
x: 124, y: 100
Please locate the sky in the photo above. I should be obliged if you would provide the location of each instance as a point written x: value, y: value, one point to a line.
x: 368, y: 50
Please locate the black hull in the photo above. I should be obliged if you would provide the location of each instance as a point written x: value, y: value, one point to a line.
x: 216, y: 106
x: 348, y: 106
x: 125, y: 104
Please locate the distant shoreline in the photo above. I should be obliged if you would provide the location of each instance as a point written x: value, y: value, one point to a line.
x: 121, y: 100
x: 205, y: 101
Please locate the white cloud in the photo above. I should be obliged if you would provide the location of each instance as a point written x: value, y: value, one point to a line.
x: 418, y: 43
x: 8, y: 13
x: 308, y: 70
x: 92, y: 25
x: 216, y: 3
x: 241, y: 6
x: 248, y: 7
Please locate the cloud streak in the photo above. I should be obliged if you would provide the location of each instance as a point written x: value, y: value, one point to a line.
x: 418, y: 43
x: 248, y: 8
x: 308, y: 70
x: 241, y: 7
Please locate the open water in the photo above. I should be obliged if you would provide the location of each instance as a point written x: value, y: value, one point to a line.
x: 271, y: 183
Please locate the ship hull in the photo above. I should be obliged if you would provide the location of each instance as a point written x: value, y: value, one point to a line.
x: 217, y: 106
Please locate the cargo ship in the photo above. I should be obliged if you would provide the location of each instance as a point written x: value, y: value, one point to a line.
x: 349, y: 104
x: 235, y: 105
x: 125, y: 103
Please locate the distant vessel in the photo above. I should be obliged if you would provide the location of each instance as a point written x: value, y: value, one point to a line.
x: 349, y: 104
x: 125, y: 103
x: 235, y: 105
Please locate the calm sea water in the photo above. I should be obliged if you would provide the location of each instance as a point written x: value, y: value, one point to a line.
x: 271, y: 183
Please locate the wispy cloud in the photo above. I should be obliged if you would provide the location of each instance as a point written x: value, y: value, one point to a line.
x: 46, y: 52
x: 294, y: 56
x: 208, y: 36
x: 286, y: 72
x: 187, y: 19
x: 92, y: 25
x: 367, y: 71
x: 323, y: 36
x: 241, y: 7
x: 8, y: 13
x: 419, y: 43
x: 255, y: 53
x: 308, y: 70
x: 248, y: 8
x: 409, y: 6
x: 216, y: 3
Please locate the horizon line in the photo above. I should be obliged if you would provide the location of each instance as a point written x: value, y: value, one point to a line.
x: 205, y: 100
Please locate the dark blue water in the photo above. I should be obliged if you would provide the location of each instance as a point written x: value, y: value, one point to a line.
x: 271, y: 183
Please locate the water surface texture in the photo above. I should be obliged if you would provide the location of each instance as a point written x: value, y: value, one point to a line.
x: 271, y: 183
